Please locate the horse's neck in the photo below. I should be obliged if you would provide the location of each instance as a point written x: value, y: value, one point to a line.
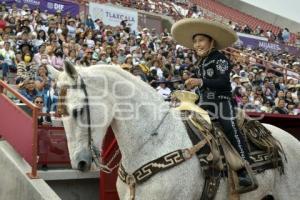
x: 136, y: 136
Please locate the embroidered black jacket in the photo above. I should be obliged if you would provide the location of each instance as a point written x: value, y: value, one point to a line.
x: 215, y: 73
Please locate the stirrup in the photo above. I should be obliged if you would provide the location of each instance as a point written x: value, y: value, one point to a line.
x: 253, y: 186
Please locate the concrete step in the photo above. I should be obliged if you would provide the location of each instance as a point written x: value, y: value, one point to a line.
x: 15, y: 184
x: 67, y: 174
x: 71, y: 184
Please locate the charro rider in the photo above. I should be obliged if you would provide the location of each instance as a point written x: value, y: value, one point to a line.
x: 213, y: 77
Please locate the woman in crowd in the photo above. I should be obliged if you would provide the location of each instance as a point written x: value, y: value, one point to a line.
x: 26, y: 68
x: 42, y: 80
x: 57, y: 60
x: 280, y: 95
x: 237, y: 96
x: 280, y: 108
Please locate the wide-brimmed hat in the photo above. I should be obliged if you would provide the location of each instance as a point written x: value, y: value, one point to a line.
x: 25, y: 18
x: 175, y: 79
x: 71, y: 20
x: 162, y: 80
x: 108, y: 47
x: 296, y: 64
x: 128, y: 56
x: 184, y: 30
x: 9, y: 26
x: 291, y: 87
x: 244, y: 80
x: 126, y: 66
x: 88, y: 50
x: 235, y: 76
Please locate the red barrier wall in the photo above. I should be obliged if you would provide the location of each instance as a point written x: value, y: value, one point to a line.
x: 53, y: 147
x: 16, y: 128
x: 108, y: 189
x: 289, y: 123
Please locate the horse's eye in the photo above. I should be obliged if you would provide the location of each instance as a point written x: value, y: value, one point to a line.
x: 77, y: 112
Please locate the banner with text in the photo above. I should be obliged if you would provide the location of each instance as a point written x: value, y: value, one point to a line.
x: 251, y: 41
x: 112, y: 15
x: 50, y: 5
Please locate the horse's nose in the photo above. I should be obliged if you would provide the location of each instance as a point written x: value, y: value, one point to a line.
x: 83, y: 160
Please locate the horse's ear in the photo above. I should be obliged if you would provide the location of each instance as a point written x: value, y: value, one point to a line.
x: 54, y: 72
x: 70, y: 69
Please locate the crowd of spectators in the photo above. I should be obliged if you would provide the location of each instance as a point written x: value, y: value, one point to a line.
x: 31, y: 40
x: 181, y: 8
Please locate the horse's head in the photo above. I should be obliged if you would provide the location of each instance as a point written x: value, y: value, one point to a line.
x: 82, y: 108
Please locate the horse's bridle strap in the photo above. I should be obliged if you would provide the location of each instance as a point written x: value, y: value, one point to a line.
x: 167, y: 161
x: 63, y: 111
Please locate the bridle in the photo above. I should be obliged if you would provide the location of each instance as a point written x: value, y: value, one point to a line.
x: 62, y: 110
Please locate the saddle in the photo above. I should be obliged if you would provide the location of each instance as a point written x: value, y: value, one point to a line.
x: 219, y: 159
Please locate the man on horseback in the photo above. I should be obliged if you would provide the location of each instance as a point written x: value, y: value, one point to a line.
x: 213, y: 77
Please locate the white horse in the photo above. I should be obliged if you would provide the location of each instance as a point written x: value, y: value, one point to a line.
x: 134, y: 111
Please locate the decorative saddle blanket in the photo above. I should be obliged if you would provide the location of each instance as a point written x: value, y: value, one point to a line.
x: 264, y: 149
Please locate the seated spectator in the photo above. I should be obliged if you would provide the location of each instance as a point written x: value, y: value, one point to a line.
x: 177, y: 83
x: 247, y: 105
x: 89, y: 22
x: 114, y: 60
x: 162, y: 89
x: 57, y: 61
x: 259, y: 93
x: 128, y: 62
x: 235, y: 82
x: 37, y: 58
x: 42, y: 120
x: 237, y: 96
x: 268, y: 95
x: 42, y: 80
x: 280, y: 84
x: 289, y: 97
x: 280, y: 108
x: 89, y: 40
x: 121, y: 55
x: 7, y: 60
x: 258, y: 82
x: 186, y: 75
x: 26, y: 68
x: 72, y: 56
x: 71, y: 27
x: 250, y: 94
x: 28, y: 89
x: 291, y: 107
x: 138, y: 72
x: 279, y: 95
x: 51, y: 97
x: 245, y: 83
x: 103, y: 59
x: 267, y: 107
x: 40, y: 40
x: 258, y: 102
x: 297, y: 109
